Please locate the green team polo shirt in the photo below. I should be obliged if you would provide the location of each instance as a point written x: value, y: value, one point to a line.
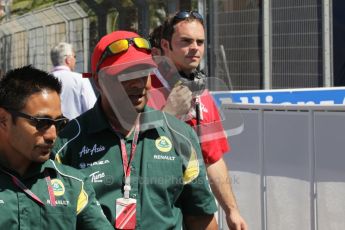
x: 168, y: 176
x: 76, y: 205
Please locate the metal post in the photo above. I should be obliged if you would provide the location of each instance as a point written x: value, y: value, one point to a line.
x: 267, y: 48
x: 213, y: 38
x: 7, y: 10
x: 202, y: 11
x: 143, y: 17
x: 327, y: 43
x: 86, y: 40
x: 172, y: 6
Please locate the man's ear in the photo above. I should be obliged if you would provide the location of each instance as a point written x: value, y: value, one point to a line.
x: 165, y: 45
x: 67, y: 60
x: 148, y: 83
x: 4, y: 117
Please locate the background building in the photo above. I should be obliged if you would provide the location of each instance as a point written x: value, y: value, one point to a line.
x: 287, y: 164
x: 255, y: 44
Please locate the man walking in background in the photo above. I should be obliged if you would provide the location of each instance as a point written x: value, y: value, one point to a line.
x: 182, y: 39
x: 77, y: 94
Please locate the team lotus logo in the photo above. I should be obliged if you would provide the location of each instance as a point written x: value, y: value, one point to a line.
x: 58, y: 187
x: 163, y: 144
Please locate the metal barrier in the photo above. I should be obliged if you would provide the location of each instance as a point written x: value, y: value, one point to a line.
x: 28, y: 39
x: 271, y: 44
x: 287, y: 166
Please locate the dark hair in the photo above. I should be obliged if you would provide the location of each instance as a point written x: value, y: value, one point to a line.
x: 19, y: 84
x: 168, y: 25
x: 155, y: 37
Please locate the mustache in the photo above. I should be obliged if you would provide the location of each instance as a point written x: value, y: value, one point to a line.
x: 45, y: 146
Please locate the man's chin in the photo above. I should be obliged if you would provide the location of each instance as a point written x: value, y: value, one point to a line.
x: 191, y: 67
x: 139, y: 108
x: 43, y: 158
x: 139, y: 105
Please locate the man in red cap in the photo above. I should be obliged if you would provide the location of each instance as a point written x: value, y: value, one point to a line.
x: 146, y: 166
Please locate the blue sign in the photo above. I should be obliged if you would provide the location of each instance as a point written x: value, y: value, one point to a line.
x: 312, y: 96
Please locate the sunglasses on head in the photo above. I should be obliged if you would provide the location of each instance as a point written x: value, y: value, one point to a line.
x: 41, y: 123
x: 187, y: 14
x: 122, y: 45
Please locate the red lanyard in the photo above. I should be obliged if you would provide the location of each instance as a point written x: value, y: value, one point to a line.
x: 50, y: 189
x: 22, y: 186
x: 126, y: 164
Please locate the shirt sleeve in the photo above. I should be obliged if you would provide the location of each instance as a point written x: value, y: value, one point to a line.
x: 88, y: 96
x: 196, y: 198
x: 89, y: 212
x: 213, y: 139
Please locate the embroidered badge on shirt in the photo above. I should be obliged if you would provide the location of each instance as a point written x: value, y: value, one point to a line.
x: 58, y: 187
x: 92, y: 150
x: 96, y: 177
x: 163, y: 144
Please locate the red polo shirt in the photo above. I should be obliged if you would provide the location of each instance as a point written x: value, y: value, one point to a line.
x: 212, y: 136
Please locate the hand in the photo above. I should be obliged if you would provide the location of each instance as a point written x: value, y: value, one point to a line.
x: 235, y: 221
x: 179, y: 101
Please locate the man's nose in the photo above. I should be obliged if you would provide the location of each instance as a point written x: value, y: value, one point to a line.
x: 194, y: 45
x: 138, y: 83
x: 50, y: 134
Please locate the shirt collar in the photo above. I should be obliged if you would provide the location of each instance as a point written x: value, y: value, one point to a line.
x: 99, y: 120
x: 39, y: 168
x: 34, y: 169
x: 149, y: 119
x: 195, y: 75
x: 61, y: 67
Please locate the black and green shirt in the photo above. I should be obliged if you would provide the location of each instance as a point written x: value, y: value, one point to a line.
x: 74, y: 199
x: 168, y: 177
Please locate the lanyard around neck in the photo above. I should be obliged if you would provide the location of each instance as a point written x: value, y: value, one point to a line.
x: 32, y: 195
x: 125, y: 162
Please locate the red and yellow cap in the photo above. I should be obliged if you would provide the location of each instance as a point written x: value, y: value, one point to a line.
x: 122, y: 61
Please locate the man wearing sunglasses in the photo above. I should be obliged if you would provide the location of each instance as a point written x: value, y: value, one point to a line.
x: 36, y: 192
x: 146, y: 166
x: 181, y: 38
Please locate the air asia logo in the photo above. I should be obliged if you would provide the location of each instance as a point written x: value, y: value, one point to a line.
x: 163, y: 144
x: 96, y: 177
x: 95, y: 149
x: 58, y: 187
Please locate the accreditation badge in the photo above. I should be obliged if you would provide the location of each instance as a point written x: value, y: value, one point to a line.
x: 125, y: 213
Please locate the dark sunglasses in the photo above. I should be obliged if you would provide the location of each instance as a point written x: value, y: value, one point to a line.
x: 187, y: 14
x: 122, y: 45
x: 41, y: 123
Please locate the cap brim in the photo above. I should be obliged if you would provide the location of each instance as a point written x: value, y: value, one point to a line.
x: 116, y: 69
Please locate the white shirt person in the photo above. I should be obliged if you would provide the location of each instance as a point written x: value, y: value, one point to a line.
x: 77, y: 94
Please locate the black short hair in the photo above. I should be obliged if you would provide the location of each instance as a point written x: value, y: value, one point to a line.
x: 155, y: 37
x: 19, y: 84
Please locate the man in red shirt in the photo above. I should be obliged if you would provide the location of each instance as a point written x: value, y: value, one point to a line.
x: 182, y: 41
